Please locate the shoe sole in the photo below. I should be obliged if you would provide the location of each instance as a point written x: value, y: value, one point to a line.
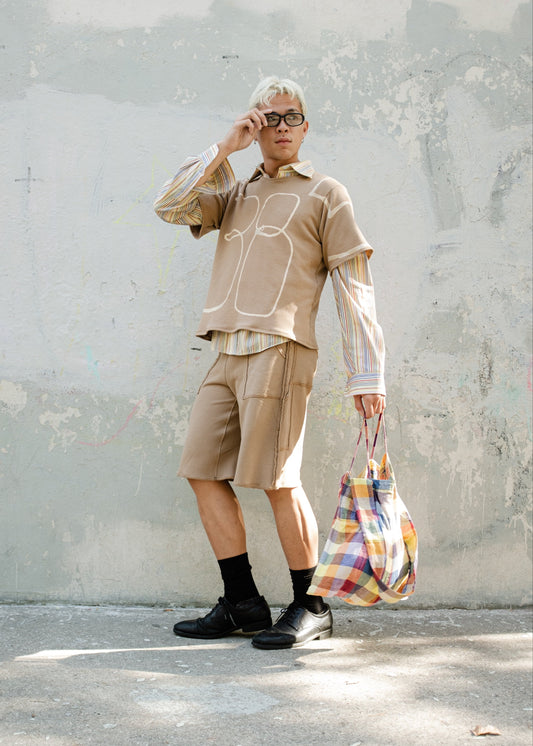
x: 320, y: 636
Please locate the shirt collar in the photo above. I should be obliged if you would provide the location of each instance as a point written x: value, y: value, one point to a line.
x: 304, y: 168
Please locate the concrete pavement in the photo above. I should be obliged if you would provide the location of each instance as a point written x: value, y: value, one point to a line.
x: 73, y: 675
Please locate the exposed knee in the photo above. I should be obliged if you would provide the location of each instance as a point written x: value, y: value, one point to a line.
x: 285, y: 494
x: 207, y: 484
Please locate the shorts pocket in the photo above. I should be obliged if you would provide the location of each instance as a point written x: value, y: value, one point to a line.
x: 209, y: 373
x: 266, y: 373
x: 293, y: 416
x: 270, y: 374
x: 303, y: 366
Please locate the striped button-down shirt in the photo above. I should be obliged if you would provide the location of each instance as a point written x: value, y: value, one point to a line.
x: 362, y: 337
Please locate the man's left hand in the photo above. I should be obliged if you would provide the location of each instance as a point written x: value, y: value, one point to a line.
x: 369, y: 404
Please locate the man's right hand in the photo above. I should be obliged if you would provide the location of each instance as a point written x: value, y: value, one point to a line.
x: 243, y: 132
x: 240, y: 136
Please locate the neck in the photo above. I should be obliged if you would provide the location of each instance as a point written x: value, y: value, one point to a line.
x: 271, y: 166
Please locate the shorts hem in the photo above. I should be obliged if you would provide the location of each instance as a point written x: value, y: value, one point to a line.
x: 247, y: 485
x: 204, y: 478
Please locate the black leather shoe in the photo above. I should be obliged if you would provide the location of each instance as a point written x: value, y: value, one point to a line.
x: 250, y: 616
x: 294, y: 627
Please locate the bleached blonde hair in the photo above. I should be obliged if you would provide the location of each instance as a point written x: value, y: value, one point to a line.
x: 273, y: 86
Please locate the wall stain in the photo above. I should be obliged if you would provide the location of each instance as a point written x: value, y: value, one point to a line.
x: 486, y: 367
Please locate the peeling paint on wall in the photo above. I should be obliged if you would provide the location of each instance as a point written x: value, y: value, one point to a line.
x: 13, y: 398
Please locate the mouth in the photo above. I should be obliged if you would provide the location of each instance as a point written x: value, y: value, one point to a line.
x: 283, y: 141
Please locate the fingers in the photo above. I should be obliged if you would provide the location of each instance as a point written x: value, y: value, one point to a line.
x: 359, y: 405
x: 244, y: 130
x: 376, y: 405
x: 368, y: 405
x: 254, y: 120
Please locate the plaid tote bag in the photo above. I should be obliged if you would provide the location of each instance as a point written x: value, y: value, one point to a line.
x: 371, y: 552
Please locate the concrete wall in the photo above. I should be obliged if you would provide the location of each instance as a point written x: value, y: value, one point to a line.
x: 422, y: 108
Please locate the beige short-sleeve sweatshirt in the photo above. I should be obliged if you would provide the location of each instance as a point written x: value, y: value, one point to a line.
x: 278, y: 239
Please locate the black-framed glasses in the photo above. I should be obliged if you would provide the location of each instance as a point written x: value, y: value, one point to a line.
x: 293, y: 118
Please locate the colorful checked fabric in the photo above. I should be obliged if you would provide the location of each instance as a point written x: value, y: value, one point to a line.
x: 371, y: 550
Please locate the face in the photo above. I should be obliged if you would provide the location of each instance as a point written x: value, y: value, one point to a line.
x: 280, y: 145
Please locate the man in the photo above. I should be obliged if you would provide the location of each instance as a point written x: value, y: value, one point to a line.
x: 280, y: 233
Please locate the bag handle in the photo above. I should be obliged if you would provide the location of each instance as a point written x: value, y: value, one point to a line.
x: 381, y: 423
x: 364, y: 426
x: 369, y: 453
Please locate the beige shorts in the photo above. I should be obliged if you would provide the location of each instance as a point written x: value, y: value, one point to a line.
x: 247, y: 423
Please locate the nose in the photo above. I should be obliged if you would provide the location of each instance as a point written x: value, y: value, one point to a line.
x: 282, y: 126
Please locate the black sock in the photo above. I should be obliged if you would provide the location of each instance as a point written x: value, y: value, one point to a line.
x: 301, y: 580
x: 237, y: 576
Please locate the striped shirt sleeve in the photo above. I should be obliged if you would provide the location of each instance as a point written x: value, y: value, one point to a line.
x: 177, y: 201
x: 363, y: 344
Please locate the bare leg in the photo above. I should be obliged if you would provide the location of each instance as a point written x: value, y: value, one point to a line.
x: 223, y: 522
x: 296, y: 525
x: 307, y: 617
x: 221, y: 517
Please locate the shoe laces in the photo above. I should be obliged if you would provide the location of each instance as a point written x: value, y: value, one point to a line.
x: 289, y: 612
x: 228, y: 608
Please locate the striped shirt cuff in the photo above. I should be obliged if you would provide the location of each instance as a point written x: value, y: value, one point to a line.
x: 365, y: 383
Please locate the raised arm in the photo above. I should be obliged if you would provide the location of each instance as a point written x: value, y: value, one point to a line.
x: 210, y: 172
x: 239, y: 137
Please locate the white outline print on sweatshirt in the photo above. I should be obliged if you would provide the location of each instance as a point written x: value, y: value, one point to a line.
x: 269, y: 232
x: 260, y: 231
x: 229, y: 237
x: 283, y: 246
